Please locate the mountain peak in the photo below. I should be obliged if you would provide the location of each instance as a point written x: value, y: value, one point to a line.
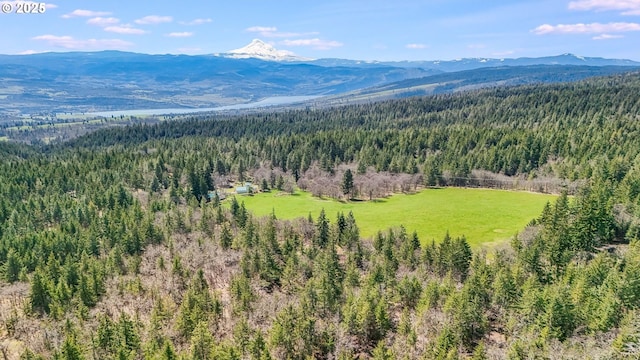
x: 258, y: 42
x: 255, y: 46
x: 571, y: 55
x: 258, y: 49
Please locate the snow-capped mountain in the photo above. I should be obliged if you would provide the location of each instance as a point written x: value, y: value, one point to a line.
x: 258, y: 49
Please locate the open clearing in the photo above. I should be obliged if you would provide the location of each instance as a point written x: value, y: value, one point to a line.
x: 481, y: 215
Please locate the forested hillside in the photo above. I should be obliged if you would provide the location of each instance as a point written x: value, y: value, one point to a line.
x: 562, y: 129
x: 111, y: 246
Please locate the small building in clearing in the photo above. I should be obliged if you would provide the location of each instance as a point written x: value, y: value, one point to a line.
x: 212, y: 195
x: 245, y: 189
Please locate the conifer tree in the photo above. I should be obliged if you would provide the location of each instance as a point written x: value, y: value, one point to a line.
x: 347, y: 183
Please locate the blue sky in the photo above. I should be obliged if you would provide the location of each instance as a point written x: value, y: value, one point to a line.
x: 352, y: 29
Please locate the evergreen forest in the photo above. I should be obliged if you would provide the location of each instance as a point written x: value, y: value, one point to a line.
x: 117, y: 244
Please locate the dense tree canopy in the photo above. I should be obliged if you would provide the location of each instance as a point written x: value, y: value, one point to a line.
x: 120, y: 244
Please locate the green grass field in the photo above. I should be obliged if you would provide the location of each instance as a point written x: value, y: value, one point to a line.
x: 483, y: 216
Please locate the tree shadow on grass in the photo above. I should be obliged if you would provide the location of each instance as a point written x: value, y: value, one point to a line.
x: 363, y: 201
x: 378, y: 201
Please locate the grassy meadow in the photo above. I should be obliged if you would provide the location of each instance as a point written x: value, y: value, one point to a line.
x: 483, y: 216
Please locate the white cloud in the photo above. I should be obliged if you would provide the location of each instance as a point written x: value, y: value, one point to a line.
x: 607, y: 37
x: 196, y: 22
x: 315, y: 43
x: 180, y: 34
x: 416, y: 46
x: 272, y: 32
x: 124, y: 29
x: 69, y: 42
x: 103, y: 21
x: 628, y: 7
x: 262, y: 29
x: 288, y: 34
x: 85, y: 13
x: 593, y: 28
x: 110, y: 24
x: 476, y: 46
x: 154, y: 19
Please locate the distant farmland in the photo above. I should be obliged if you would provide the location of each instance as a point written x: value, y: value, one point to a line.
x: 481, y: 215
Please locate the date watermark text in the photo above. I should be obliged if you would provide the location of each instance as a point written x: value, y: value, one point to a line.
x: 26, y: 7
